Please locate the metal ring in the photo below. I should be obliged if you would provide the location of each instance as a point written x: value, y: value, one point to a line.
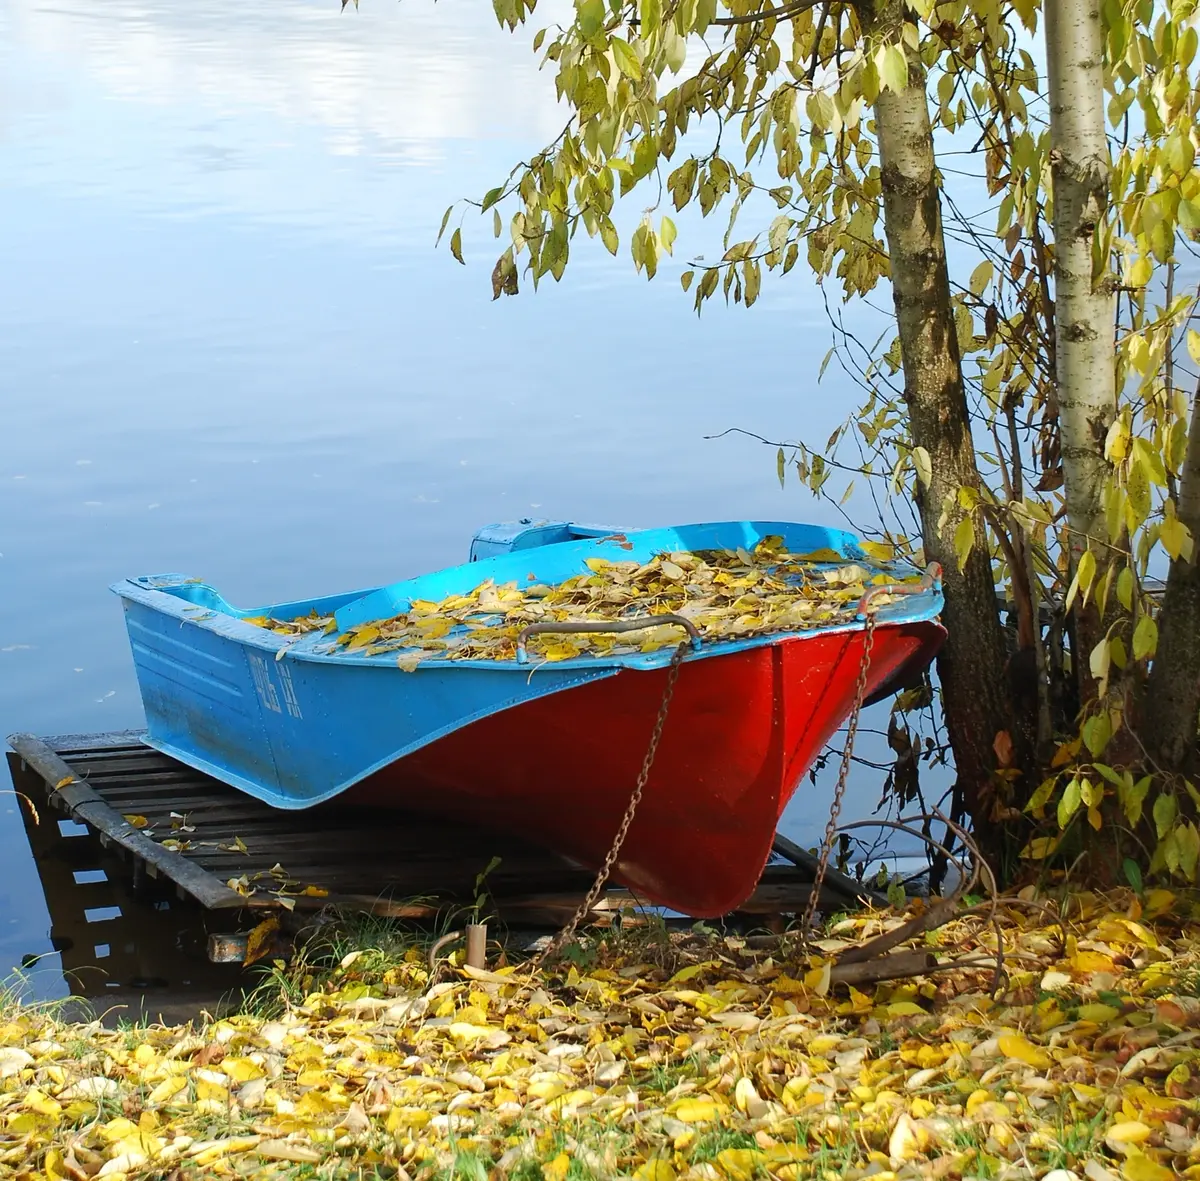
x: 624, y: 625
x: 930, y: 579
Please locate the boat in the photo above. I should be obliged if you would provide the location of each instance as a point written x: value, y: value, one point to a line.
x: 299, y: 702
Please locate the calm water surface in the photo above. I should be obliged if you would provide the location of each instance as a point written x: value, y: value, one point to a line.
x: 228, y: 346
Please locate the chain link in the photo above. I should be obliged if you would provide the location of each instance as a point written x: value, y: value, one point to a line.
x: 839, y: 791
x: 564, y: 936
x: 567, y: 933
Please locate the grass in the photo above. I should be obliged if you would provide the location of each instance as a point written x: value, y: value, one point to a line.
x: 711, y: 1144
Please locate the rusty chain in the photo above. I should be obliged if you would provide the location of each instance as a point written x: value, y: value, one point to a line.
x: 835, y: 811
x: 565, y: 935
x: 866, y: 612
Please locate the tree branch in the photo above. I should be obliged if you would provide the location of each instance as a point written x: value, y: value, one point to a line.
x: 767, y: 14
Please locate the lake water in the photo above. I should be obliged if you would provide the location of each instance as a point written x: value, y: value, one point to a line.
x: 228, y: 346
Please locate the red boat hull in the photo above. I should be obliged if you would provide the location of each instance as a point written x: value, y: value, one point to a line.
x: 741, y: 732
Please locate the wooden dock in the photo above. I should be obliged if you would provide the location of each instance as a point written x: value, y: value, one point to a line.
x: 233, y: 854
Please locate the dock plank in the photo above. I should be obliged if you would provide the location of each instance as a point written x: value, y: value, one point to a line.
x: 371, y: 859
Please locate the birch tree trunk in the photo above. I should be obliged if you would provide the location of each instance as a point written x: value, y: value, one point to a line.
x: 1084, y: 305
x: 1172, y: 713
x: 971, y: 665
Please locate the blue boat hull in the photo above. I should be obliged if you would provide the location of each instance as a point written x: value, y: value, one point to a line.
x: 295, y: 723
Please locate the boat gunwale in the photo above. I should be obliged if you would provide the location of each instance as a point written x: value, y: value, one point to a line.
x: 918, y: 608
x: 232, y: 623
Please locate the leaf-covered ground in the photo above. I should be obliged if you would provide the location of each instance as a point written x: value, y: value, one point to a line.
x: 730, y: 1063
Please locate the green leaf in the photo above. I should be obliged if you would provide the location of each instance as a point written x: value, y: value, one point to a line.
x: 456, y: 245
x: 924, y: 465
x: 964, y: 541
x: 667, y: 234
x: 981, y: 276
x: 781, y: 466
x: 626, y: 59
x: 1145, y: 638
x: 445, y: 222
x: 1165, y: 809
x: 686, y: 278
x: 1068, y: 805
x: 892, y: 65
x: 1176, y: 537
x: 1085, y: 573
x: 1041, y: 797
x: 1125, y: 586
x: 1132, y: 796
x: 591, y: 17
x: 1133, y: 874
x: 1187, y: 841
x: 1097, y: 731
x: 650, y: 12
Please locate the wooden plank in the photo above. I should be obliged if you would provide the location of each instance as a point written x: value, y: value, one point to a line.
x: 64, y: 743
x: 368, y: 859
x: 836, y: 881
x: 84, y: 804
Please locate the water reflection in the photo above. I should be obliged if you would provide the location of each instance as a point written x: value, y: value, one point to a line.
x: 128, y: 945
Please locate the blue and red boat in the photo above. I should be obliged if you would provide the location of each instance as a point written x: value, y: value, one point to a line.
x: 549, y: 750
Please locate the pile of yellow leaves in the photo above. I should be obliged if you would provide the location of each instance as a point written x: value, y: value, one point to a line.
x: 722, y: 592
x: 740, y: 1065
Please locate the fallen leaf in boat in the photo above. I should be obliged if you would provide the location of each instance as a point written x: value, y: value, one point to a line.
x: 65, y: 781
x: 721, y: 591
x: 136, y: 821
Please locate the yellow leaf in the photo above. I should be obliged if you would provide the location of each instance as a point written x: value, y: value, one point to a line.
x: 739, y: 1164
x: 696, y: 1111
x: 556, y: 1170
x: 1139, y: 1167
x: 363, y: 636
x: 905, y: 1142
x: 1145, y: 638
x: 258, y: 943
x: 893, y: 67
x: 65, y: 781
x: 654, y: 1170
x: 242, y: 1070
x: 1123, y: 1136
x: 288, y: 1151
x: 879, y: 550
x: 817, y: 980
x: 1014, y: 1045
x: 1040, y: 848
x: 1091, y: 961
x: 981, y: 276
x: 136, y: 821
x: 166, y: 1091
